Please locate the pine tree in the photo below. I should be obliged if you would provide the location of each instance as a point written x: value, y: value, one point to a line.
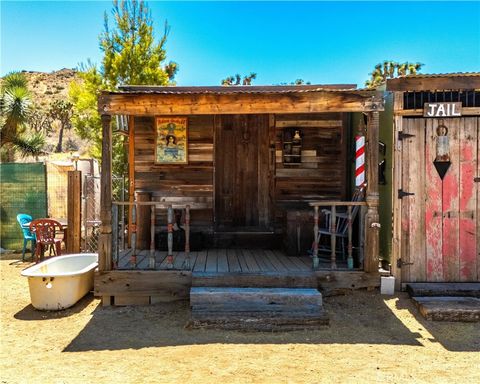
x: 131, y: 55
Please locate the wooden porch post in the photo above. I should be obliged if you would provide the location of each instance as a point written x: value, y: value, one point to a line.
x: 372, y: 219
x: 131, y: 171
x: 105, y: 238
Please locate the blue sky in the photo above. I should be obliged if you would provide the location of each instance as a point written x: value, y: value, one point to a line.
x: 321, y: 42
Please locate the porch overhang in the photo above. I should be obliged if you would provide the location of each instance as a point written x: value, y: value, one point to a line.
x: 150, y: 100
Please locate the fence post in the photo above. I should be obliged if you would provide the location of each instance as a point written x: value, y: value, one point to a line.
x: 74, y: 209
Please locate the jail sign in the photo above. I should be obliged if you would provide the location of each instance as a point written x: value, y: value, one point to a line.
x: 442, y: 109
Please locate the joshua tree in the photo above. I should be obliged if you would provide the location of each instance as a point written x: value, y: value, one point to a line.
x: 15, y: 107
x: 390, y: 69
x: 237, y: 79
x: 61, y: 111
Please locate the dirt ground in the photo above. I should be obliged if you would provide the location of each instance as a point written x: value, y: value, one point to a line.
x: 371, y: 339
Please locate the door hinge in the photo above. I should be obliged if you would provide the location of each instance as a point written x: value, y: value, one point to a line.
x: 402, y: 135
x: 402, y: 193
x: 401, y: 263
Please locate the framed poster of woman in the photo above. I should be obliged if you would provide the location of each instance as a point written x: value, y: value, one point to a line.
x: 171, y: 140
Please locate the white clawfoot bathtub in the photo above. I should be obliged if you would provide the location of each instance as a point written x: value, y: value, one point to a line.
x: 59, y: 282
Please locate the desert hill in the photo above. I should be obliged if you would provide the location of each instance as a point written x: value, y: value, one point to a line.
x: 49, y: 87
x: 45, y: 89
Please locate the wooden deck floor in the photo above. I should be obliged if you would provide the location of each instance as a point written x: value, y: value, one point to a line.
x: 222, y: 261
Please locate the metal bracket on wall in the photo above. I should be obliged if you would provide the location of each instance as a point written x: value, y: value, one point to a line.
x: 402, y: 135
x: 401, y: 263
x: 402, y: 194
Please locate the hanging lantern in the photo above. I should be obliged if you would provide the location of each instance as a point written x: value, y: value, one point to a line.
x: 442, y: 160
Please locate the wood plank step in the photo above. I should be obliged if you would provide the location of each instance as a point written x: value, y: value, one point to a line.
x: 261, y: 309
x: 267, y: 322
x: 234, y: 297
x: 444, y: 289
x: 299, y: 279
x: 255, y: 308
x: 449, y: 308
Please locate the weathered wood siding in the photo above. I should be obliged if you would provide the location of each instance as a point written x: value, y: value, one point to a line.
x: 192, y: 182
x: 440, y: 227
x: 322, y: 174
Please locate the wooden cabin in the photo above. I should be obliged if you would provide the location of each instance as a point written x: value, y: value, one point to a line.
x: 436, y: 178
x: 246, y: 174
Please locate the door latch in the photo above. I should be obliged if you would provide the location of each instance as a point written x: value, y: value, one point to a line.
x: 476, y: 179
x: 402, y: 193
x: 402, y: 135
x: 401, y: 263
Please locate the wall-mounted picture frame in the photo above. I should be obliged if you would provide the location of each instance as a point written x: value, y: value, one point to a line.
x: 171, y: 140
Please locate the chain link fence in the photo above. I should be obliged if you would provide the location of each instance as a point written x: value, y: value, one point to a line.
x: 91, y: 210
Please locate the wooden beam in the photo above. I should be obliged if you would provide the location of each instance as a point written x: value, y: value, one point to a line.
x: 372, y: 219
x: 74, y: 206
x: 468, y: 111
x: 105, y: 238
x: 433, y: 83
x: 143, y: 283
x: 245, y: 103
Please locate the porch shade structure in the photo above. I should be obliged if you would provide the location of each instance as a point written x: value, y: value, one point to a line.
x: 135, y: 101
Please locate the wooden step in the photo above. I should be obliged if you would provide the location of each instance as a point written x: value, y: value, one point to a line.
x: 444, y: 289
x: 254, y: 296
x: 256, y: 308
x: 449, y: 308
x: 297, y: 279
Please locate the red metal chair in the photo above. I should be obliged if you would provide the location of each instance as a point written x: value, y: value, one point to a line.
x: 45, y: 231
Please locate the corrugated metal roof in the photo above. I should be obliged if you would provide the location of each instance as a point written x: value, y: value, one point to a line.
x: 433, y: 75
x: 435, y: 82
x: 235, y: 89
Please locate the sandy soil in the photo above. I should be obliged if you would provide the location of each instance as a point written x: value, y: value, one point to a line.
x: 371, y: 339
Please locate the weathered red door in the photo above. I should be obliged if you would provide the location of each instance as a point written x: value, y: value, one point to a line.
x: 243, y: 173
x: 440, y: 221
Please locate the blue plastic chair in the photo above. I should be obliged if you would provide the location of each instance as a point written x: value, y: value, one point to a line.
x: 24, y: 220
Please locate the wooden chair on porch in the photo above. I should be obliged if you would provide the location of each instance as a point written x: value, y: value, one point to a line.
x: 339, y: 228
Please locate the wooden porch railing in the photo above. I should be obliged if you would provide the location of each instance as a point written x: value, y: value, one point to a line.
x: 133, y: 230
x: 334, y: 228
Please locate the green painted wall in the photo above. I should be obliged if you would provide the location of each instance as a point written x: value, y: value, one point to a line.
x: 385, y: 210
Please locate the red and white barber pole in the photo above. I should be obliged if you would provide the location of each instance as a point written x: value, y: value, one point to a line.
x: 359, y: 161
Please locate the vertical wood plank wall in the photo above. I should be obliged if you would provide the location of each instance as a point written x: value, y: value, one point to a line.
x: 323, y: 173
x: 322, y: 176
x: 192, y: 182
x: 440, y: 226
